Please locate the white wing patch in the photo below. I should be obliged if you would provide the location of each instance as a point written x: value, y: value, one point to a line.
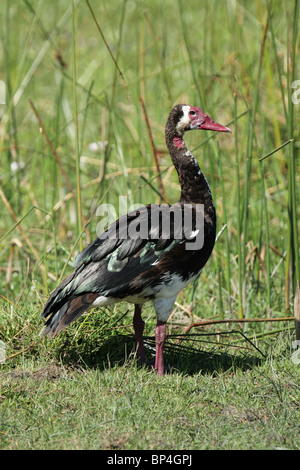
x: 102, y: 301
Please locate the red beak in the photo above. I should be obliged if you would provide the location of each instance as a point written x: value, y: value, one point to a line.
x: 210, y: 125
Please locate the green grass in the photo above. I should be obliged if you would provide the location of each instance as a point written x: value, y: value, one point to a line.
x: 243, y: 404
x: 79, y: 74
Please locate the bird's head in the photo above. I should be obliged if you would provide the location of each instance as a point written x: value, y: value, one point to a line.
x: 186, y: 118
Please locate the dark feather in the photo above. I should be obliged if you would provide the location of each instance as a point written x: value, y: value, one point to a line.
x: 119, y: 267
x: 69, y: 312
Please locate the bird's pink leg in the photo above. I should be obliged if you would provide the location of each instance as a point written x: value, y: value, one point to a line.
x: 160, y: 337
x: 138, y: 325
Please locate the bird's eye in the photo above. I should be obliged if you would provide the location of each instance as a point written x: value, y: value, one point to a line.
x: 192, y: 113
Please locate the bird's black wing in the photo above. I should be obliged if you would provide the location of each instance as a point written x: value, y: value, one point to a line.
x: 130, y: 258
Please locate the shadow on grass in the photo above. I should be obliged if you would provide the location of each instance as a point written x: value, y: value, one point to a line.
x: 180, y: 354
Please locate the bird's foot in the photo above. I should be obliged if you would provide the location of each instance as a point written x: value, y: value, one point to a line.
x: 151, y: 366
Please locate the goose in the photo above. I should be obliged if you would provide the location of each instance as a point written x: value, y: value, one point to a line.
x: 149, y: 254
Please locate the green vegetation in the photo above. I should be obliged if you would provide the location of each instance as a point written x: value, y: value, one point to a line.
x: 86, y: 72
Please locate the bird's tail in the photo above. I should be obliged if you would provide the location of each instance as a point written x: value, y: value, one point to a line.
x: 65, y: 306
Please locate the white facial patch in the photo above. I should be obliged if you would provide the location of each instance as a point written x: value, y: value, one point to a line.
x: 184, y: 120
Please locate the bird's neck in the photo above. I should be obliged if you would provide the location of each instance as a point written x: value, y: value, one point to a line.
x: 194, y: 186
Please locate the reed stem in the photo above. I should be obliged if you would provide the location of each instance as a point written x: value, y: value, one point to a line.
x: 241, y: 260
x: 77, y: 155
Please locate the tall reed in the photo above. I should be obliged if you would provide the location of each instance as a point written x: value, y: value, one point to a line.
x: 241, y: 260
x: 293, y: 246
x: 77, y: 155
